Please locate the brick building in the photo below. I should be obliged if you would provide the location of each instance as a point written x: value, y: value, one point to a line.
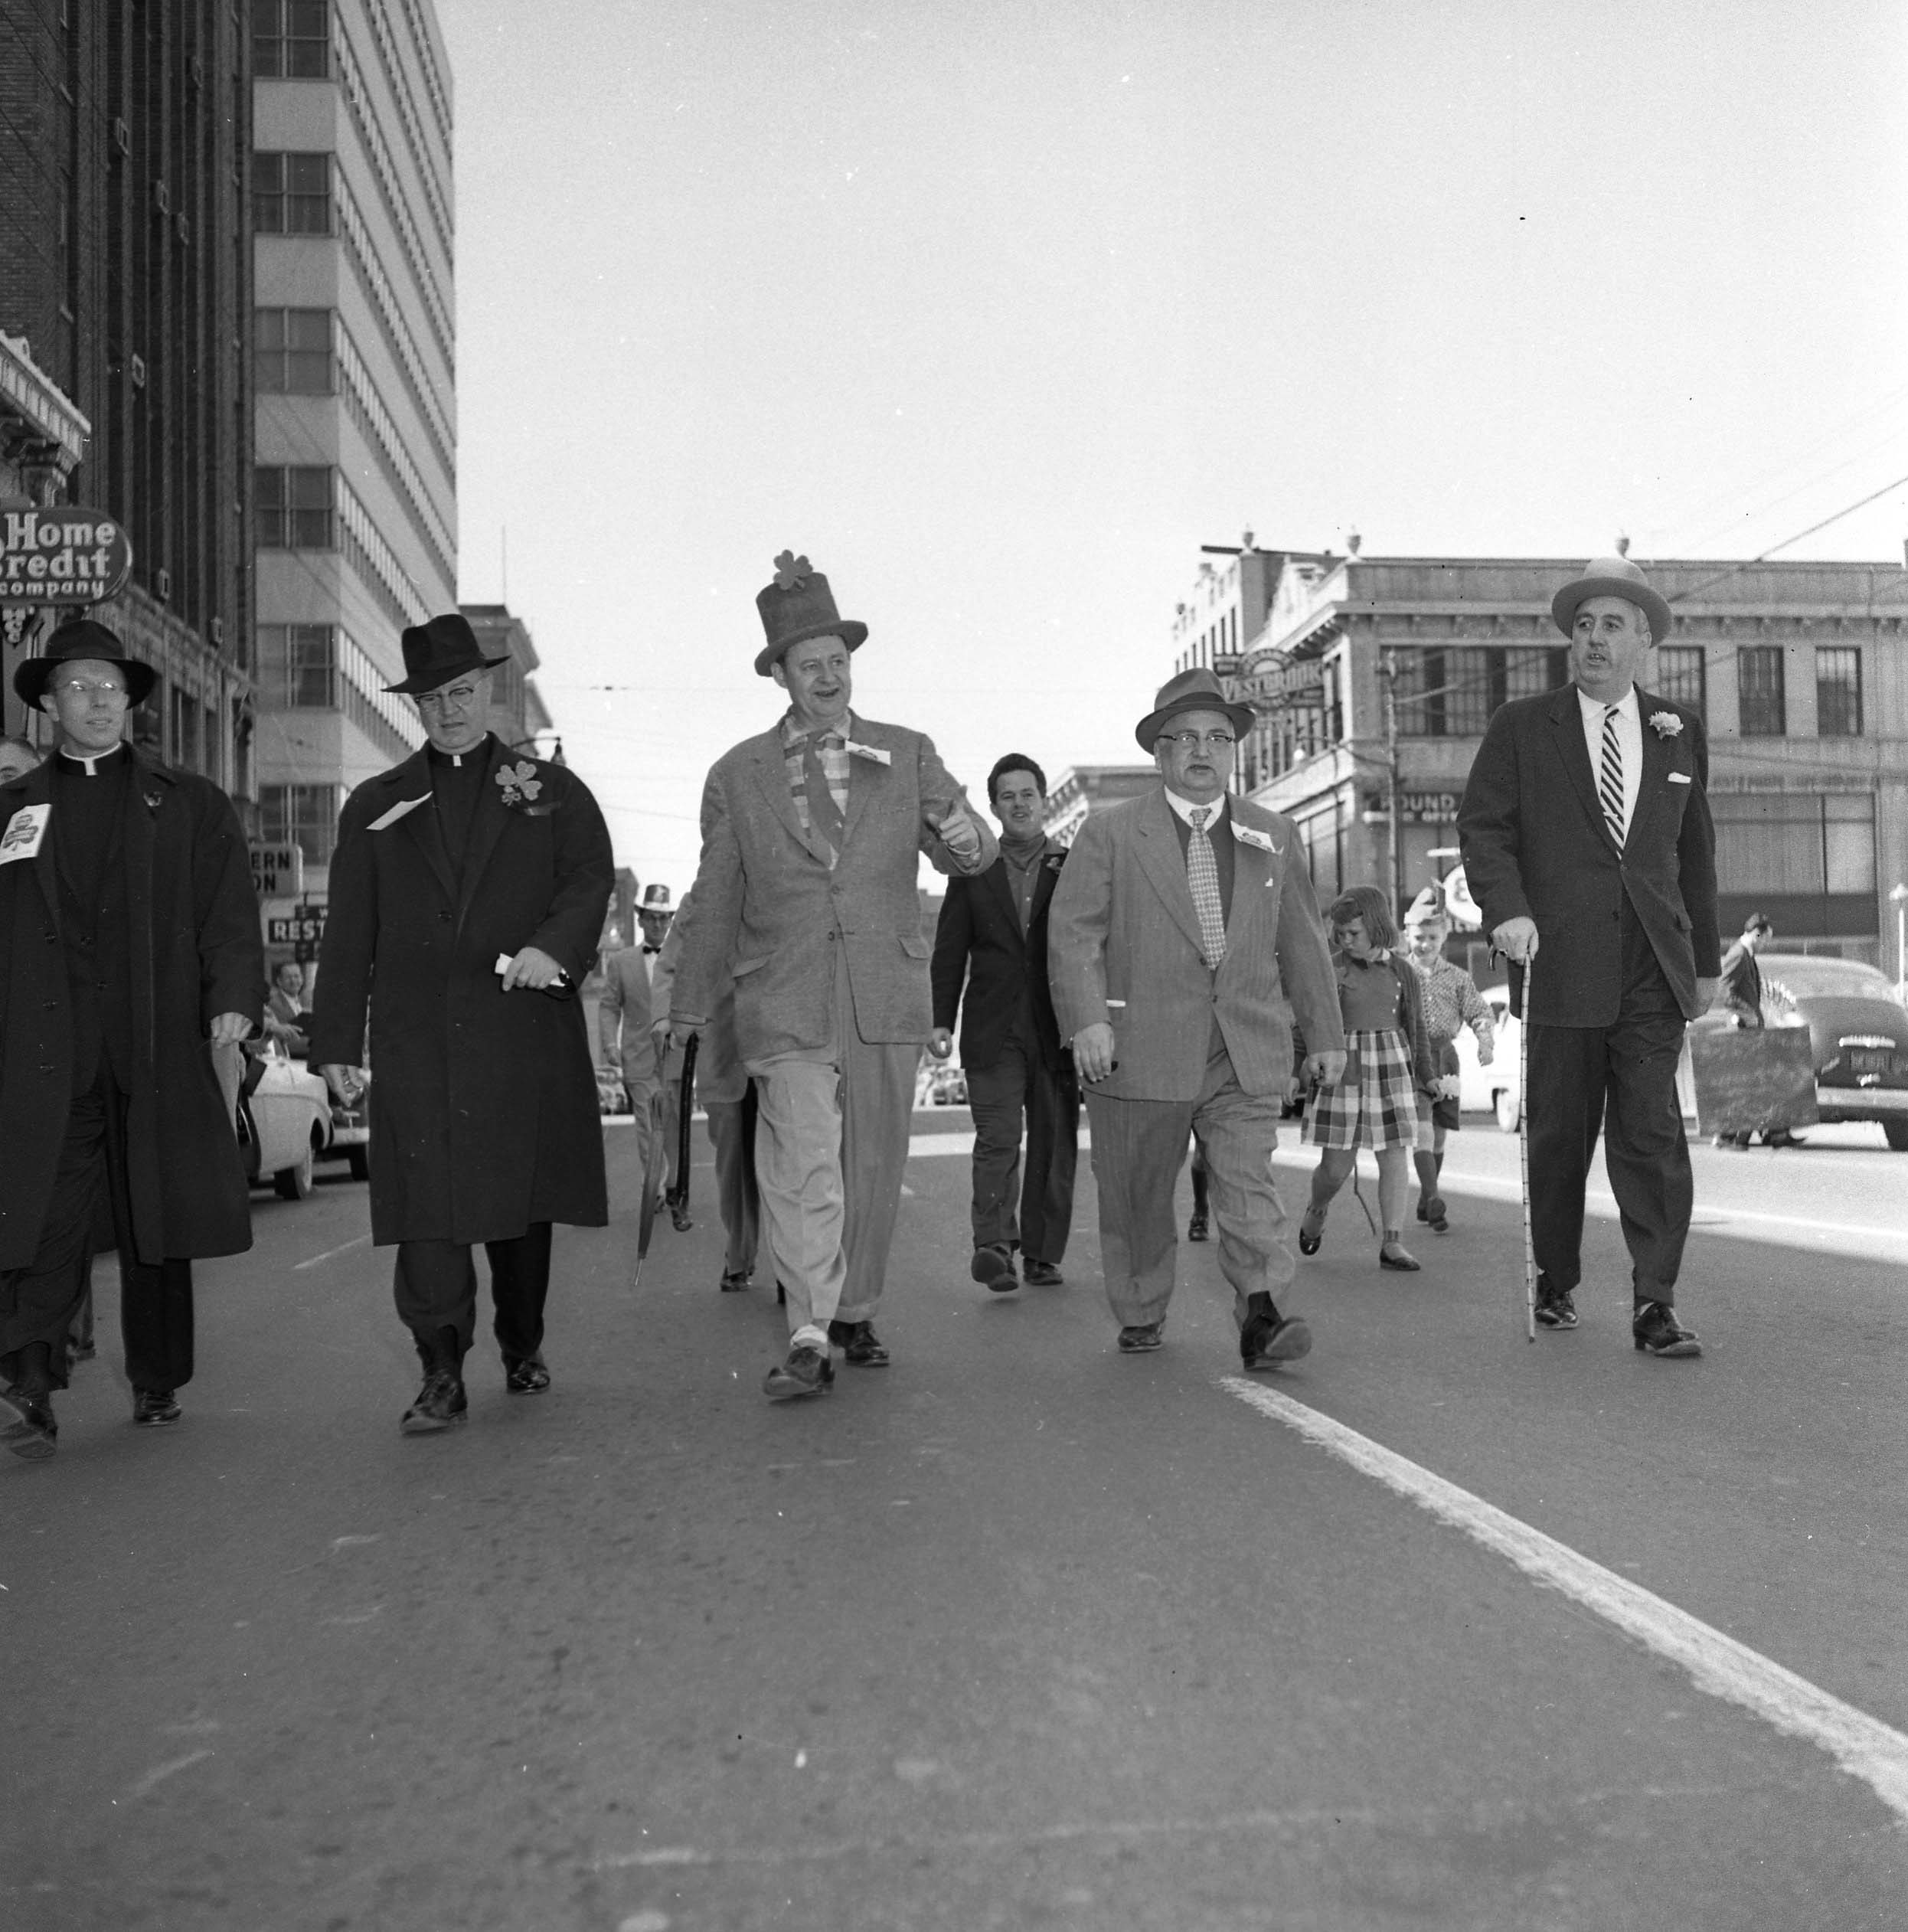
x: 125, y: 280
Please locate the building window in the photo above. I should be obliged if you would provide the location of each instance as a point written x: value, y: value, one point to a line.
x: 294, y: 509
x: 1761, y: 712
x: 183, y: 744
x: 1806, y: 859
x: 292, y: 193
x: 1452, y: 692
x: 291, y: 40
x: 1681, y: 677
x: 301, y: 814
x: 1838, y: 692
x: 298, y: 666
x: 292, y: 351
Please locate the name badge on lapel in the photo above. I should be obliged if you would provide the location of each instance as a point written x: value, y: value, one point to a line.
x: 1252, y: 835
x: 873, y: 751
x: 25, y: 830
x: 396, y: 811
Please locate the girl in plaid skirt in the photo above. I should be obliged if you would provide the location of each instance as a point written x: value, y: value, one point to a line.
x: 1389, y: 1064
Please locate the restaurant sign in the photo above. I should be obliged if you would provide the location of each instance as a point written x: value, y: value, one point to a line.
x: 65, y: 555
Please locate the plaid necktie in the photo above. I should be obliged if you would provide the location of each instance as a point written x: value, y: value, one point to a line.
x: 824, y: 814
x: 1609, y: 783
x: 1202, y: 875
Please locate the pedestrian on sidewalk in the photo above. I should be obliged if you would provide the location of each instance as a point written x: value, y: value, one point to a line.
x: 1451, y: 1001
x: 805, y: 896
x: 992, y: 937
x: 1744, y: 995
x: 468, y: 893
x: 130, y: 945
x: 1586, y: 837
x: 1390, y: 1072
x: 1183, y: 934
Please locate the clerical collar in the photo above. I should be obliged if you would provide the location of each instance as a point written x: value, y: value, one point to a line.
x: 91, y: 765
x: 456, y: 758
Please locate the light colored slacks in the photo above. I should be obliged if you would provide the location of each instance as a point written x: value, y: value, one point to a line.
x: 830, y: 1145
x: 1139, y: 1148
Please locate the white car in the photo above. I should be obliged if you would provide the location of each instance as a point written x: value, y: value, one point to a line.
x: 1494, y: 1089
x: 285, y: 1122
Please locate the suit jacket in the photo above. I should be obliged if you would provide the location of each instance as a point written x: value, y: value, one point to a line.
x: 771, y: 913
x: 1123, y: 946
x: 483, y: 1103
x: 1535, y: 846
x: 662, y: 984
x: 978, y: 939
x: 625, y: 1003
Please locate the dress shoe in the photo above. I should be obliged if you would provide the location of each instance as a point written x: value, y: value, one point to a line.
x: 1781, y: 1137
x: 860, y: 1345
x: 1312, y: 1231
x: 1555, y: 1308
x: 1200, y: 1227
x: 1434, y: 1214
x: 27, y: 1426
x: 1269, y: 1338
x: 1655, y: 1330
x: 992, y: 1266
x: 155, y: 1408
x: 678, y: 1207
x: 1395, y: 1256
x: 440, y: 1404
x: 807, y: 1371
x: 735, y: 1280
x: 525, y: 1374
x: 1137, y: 1339
x: 1040, y: 1274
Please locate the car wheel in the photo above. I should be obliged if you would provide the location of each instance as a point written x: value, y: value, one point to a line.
x: 1897, y: 1133
x: 1506, y: 1107
x: 294, y: 1183
x: 359, y: 1161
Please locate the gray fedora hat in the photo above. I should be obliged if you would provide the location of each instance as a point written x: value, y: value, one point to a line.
x: 1612, y: 576
x: 1197, y: 690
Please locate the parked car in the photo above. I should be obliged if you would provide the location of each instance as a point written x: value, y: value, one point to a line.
x: 1494, y: 1089
x: 284, y: 1120
x: 612, y: 1095
x: 1858, y: 1031
x: 351, y: 1140
x: 947, y: 1086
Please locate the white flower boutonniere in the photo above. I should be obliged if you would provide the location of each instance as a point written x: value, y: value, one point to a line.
x: 520, y: 783
x: 1665, y: 725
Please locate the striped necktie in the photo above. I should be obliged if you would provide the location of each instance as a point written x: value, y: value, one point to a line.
x: 1609, y: 782
x: 1202, y: 875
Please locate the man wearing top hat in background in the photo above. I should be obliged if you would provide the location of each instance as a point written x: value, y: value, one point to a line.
x: 805, y: 896
x: 1588, y: 844
x: 130, y: 945
x: 631, y: 1027
x: 468, y: 891
x: 1183, y: 940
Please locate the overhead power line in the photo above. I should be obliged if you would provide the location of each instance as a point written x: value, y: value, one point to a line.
x: 1735, y: 569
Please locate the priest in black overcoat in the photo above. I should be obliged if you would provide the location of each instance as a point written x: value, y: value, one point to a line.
x: 129, y: 944
x: 468, y: 894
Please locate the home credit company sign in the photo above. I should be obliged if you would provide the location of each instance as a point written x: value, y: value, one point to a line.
x: 65, y: 555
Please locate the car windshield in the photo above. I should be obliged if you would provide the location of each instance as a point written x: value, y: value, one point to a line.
x: 1826, y: 978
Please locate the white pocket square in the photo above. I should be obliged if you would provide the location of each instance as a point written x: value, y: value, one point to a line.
x: 1679, y: 778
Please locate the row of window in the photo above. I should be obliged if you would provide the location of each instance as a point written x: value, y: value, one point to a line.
x: 301, y: 814
x: 320, y: 667
x: 291, y: 39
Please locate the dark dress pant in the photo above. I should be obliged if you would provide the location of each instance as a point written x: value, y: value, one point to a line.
x: 1621, y: 1078
x: 40, y: 1302
x: 739, y: 1201
x: 436, y: 1288
x: 1017, y: 1086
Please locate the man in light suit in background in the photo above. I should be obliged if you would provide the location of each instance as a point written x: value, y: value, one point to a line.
x: 1183, y: 939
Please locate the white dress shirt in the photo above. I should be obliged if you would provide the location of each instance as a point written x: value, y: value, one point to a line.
x: 1629, y: 739
x: 1215, y: 808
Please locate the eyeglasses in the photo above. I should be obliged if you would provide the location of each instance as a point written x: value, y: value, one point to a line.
x: 459, y: 697
x: 1194, y: 741
x: 84, y: 688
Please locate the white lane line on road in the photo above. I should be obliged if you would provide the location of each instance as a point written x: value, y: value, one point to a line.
x: 344, y: 1247
x: 962, y: 1143
x: 1863, y: 1746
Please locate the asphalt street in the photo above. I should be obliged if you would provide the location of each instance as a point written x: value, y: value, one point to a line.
x: 1016, y: 1632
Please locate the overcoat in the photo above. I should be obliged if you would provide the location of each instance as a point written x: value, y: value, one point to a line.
x: 773, y: 914
x: 978, y: 938
x: 483, y: 1102
x: 196, y: 952
x: 1535, y: 846
x: 1123, y: 949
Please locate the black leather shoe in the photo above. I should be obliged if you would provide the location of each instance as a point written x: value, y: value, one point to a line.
x: 735, y: 1280
x: 678, y: 1207
x: 155, y: 1408
x: 1268, y: 1338
x: 1555, y: 1309
x: 807, y: 1371
x: 27, y: 1427
x: 440, y: 1404
x: 1655, y: 1330
x: 1137, y: 1339
x: 1041, y: 1274
x: 860, y: 1345
x: 1311, y: 1232
x: 527, y: 1375
x: 992, y: 1266
x: 1200, y: 1227
x: 1395, y: 1255
x: 1434, y: 1214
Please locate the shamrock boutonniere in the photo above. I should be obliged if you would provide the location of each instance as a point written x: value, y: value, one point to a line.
x: 1054, y: 861
x: 520, y: 783
x: 153, y: 801
x: 1665, y: 725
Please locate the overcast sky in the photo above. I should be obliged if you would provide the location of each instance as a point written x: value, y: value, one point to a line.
x: 998, y: 311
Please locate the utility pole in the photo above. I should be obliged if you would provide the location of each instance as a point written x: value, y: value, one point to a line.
x: 1388, y: 670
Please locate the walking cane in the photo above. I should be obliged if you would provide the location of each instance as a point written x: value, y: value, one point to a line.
x: 1524, y: 1150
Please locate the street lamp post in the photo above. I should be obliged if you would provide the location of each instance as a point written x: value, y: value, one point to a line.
x: 1899, y: 899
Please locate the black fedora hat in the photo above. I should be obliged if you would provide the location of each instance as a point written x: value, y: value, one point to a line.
x: 439, y: 650
x: 83, y: 637
x: 1197, y: 690
x: 798, y: 606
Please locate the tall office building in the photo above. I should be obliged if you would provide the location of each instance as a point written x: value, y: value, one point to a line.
x: 354, y: 350
x: 124, y: 302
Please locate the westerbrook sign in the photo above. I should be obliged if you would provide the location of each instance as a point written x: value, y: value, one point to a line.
x: 63, y: 555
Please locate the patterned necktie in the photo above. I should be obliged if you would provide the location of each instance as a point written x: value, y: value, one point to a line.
x: 1202, y: 874
x: 825, y: 816
x: 1609, y: 783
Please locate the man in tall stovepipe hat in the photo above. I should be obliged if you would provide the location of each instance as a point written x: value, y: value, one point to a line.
x: 806, y: 896
x: 129, y: 947
x: 468, y: 894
